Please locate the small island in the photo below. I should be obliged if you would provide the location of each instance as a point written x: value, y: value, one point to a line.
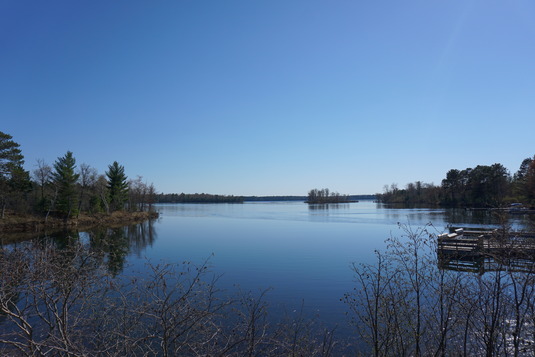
x: 316, y: 196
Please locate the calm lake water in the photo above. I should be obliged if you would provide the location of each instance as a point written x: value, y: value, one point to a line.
x: 302, y: 253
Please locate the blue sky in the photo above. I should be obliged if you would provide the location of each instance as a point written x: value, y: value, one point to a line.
x: 271, y: 97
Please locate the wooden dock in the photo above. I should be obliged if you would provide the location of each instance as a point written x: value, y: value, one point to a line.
x: 483, y: 249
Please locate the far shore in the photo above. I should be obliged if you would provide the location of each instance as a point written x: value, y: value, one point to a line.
x: 315, y: 202
x: 23, y: 226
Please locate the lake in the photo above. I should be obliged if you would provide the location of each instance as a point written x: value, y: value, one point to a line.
x: 302, y: 253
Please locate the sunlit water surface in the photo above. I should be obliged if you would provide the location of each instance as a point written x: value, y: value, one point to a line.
x: 302, y: 253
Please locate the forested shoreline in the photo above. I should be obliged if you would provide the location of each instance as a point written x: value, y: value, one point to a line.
x: 65, y: 193
x: 197, y: 198
x: 210, y: 198
x: 483, y: 186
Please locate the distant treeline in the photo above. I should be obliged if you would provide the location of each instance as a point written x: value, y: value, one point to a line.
x: 208, y: 198
x: 274, y: 198
x: 482, y: 186
x: 304, y: 198
x: 197, y: 198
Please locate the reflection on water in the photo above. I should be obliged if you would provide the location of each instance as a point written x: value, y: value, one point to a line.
x: 444, y: 217
x: 327, y: 206
x: 118, y: 243
x: 472, y: 217
x: 486, y: 263
x: 113, y: 245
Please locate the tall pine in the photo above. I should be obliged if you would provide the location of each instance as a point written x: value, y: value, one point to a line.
x: 65, y: 177
x: 14, y: 180
x: 117, y: 186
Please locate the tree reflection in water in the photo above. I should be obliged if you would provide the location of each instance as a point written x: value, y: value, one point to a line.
x: 115, y: 244
x: 62, y: 296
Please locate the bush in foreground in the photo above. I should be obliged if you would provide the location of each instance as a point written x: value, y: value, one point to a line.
x: 64, y: 302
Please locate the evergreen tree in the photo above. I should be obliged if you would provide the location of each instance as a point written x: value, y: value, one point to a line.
x: 117, y: 186
x: 10, y: 155
x: 14, y: 180
x: 65, y: 178
x: 522, y: 179
x: 530, y: 182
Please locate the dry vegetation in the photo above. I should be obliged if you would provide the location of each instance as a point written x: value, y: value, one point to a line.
x: 63, y: 302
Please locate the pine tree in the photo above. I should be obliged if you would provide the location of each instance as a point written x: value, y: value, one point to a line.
x: 14, y: 180
x: 65, y: 179
x: 10, y: 155
x: 117, y: 186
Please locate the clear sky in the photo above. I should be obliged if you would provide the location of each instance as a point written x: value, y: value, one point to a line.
x: 271, y: 97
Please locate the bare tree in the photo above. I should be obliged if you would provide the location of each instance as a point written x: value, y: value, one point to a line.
x: 64, y: 302
x: 101, y: 188
x: 42, y: 175
x: 87, y: 179
x: 141, y: 195
x: 137, y: 193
